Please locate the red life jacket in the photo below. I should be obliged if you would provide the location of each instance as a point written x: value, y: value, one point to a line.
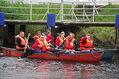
x: 87, y: 46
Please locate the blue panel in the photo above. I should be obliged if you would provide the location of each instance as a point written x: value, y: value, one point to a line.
x: 2, y: 19
x: 51, y: 20
x: 117, y: 21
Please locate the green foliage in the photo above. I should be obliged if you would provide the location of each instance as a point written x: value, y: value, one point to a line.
x: 102, y: 36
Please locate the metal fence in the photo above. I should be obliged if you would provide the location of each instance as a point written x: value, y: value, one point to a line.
x: 65, y: 10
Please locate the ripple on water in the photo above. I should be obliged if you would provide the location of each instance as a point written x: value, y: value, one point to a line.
x: 12, y: 68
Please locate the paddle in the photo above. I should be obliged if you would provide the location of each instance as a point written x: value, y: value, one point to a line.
x: 61, y: 44
x: 27, y: 41
x: 26, y: 44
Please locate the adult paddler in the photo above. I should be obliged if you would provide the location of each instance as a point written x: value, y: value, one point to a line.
x: 20, y: 41
x: 22, y: 44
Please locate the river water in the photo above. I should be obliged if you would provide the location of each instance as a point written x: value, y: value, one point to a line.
x: 14, y: 68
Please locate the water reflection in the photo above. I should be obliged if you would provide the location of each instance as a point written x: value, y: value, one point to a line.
x: 12, y: 68
x: 65, y: 70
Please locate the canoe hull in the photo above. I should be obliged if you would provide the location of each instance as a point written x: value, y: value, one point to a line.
x: 77, y: 57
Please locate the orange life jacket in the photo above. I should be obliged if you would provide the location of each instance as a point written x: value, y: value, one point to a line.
x: 69, y: 45
x: 45, y: 47
x: 61, y: 40
x: 23, y: 42
x: 35, y: 37
x: 86, y: 46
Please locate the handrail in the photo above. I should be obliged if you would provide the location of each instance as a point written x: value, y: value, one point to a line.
x: 59, y: 8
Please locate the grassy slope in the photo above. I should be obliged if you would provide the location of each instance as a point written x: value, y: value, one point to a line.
x: 108, y: 12
x: 104, y: 35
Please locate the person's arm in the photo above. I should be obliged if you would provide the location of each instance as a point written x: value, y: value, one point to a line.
x: 51, y: 38
x: 92, y: 44
x: 37, y: 45
x: 62, y: 44
x: 19, y: 43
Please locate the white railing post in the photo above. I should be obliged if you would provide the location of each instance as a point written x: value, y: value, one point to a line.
x: 72, y: 10
x: 94, y: 12
x: 83, y: 11
x: 48, y: 7
x: 30, y: 10
x: 61, y: 11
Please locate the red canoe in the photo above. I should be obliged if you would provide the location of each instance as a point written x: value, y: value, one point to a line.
x: 94, y: 56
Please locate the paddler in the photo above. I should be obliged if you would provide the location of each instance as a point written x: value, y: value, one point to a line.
x: 86, y: 44
x: 69, y: 44
x: 21, y: 44
x: 49, y: 37
x: 60, y: 39
x: 42, y: 46
x: 37, y: 36
x: 20, y: 41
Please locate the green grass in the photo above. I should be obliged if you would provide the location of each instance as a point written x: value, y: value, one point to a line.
x: 108, y: 12
x: 27, y: 11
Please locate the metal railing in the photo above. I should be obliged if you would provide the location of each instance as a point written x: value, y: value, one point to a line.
x: 65, y: 10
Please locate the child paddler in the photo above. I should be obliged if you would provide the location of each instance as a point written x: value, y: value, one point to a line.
x: 37, y: 35
x: 60, y: 39
x: 42, y: 46
x: 69, y: 44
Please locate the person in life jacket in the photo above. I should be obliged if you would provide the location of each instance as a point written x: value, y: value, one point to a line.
x: 49, y: 38
x: 60, y: 39
x: 86, y: 44
x: 42, y: 46
x: 20, y: 41
x: 37, y: 36
x: 70, y: 44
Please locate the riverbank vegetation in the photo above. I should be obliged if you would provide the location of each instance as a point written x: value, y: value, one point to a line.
x: 102, y: 36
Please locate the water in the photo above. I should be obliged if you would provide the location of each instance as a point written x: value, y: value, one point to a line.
x: 12, y: 68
